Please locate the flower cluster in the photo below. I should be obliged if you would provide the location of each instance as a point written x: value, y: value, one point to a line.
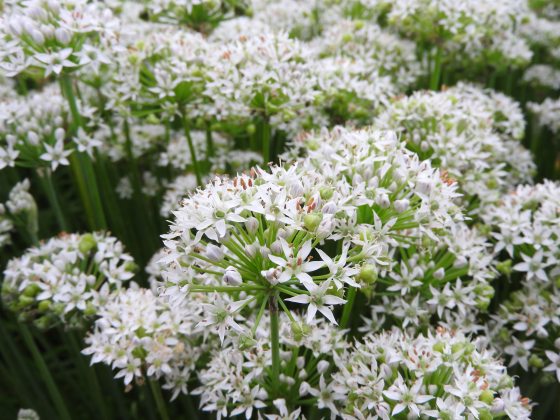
x: 19, y: 212
x: 141, y: 337
x: 447, y: 280
x: 66, y: 278
x: 32, y: 129
x: 441, y: 375
x: 52, y: 36
x: 475, y: 30
x: 469, y: 132
x: 525, y: 231
x: 237, y: 376
x: 547, y: 113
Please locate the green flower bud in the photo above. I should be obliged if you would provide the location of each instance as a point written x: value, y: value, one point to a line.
x: 44, y: 305
x: 368, y: 274
x: 312, y: 145
x: 25, y: 301
x: 141, y: 332
x: 347, y: 38
x: 359, y: 24
x: 251, y: 129
x: 312, y: 221
x: 152, y: 119
x: 536, y: 361
x: 504, y: 267
x: 300, y: 330
x: 439, y: 347
x: 32, y: 290
x: 87, y: 243
x: 42, y: 323
x: 485, y: 415
x: 246, y: 342
x: 288, y: 115
x: 131, y: 266
x: 90, y: 310
x: 487, y: 396
x: 139, y: 352
x: 326, y: 193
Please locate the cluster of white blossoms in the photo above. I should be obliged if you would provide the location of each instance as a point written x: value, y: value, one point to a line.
x: 267, y: 233
x: 236, y: 380
x: 471, y: 133
x: 202, y: 15
x: 443, y: 375
x: 525, y: 230
x: 474, y: 29
x: 547, y: 113
x: 66, y: 278
x: 322, y: 213
x: 53, y: 36
x: 447, y: 281
x: 141, y: 337
x: 543, y: 75
x: 18, y: 212
x: 32, y: 129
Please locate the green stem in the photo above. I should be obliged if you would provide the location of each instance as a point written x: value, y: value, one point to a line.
x: 87, y: 374
x: 436, y: 73
x: 347, y: 311
x: 48, y: 186
x: 158, y: 397
x: 82, y: 165
x: 265, y: 143
x: 45, y: 373
x: 192, y: 150
x: 274, y: 342
x: 209, y: 143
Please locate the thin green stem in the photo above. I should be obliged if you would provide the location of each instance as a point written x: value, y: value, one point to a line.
x: 52, y: 196
x: 436, y: 72
x: 274, y: 341
x: 192, y: 150
x: 265, y: 141
x: 347, y: 311
x: 158, y: 397
x: 82, y: 165
x: 45, y: 373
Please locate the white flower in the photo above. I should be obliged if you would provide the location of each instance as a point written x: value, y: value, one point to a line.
x: 520, y: 352
x: 407, y: 397
x: 220, y: 315
x: 296, y: 265
x: 56, y: 154
x: 555, y: 365
x: 56, y: 61
x: 318, y: 300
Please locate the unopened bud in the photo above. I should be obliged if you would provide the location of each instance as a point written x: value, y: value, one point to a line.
x: 232, y: 277
x: 401, y: 205
x: 87, y: 243
x: 63, y: 36
x: 312, y: 221
x: 368, y: 274
x: 214, y: 253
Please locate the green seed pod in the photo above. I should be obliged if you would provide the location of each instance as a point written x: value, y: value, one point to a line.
x: 536, y: 361
x: 368, y: 274
x: 87, y: 243
x: 487, y: 396
x: 312, y: 221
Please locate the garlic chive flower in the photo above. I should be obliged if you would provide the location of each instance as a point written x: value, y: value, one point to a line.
x: 439, y: 375
x: 524, y: 230
x: 63, y: 280
x: 142, y: 338
x: 471, y: 133
x: 268, y: 230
